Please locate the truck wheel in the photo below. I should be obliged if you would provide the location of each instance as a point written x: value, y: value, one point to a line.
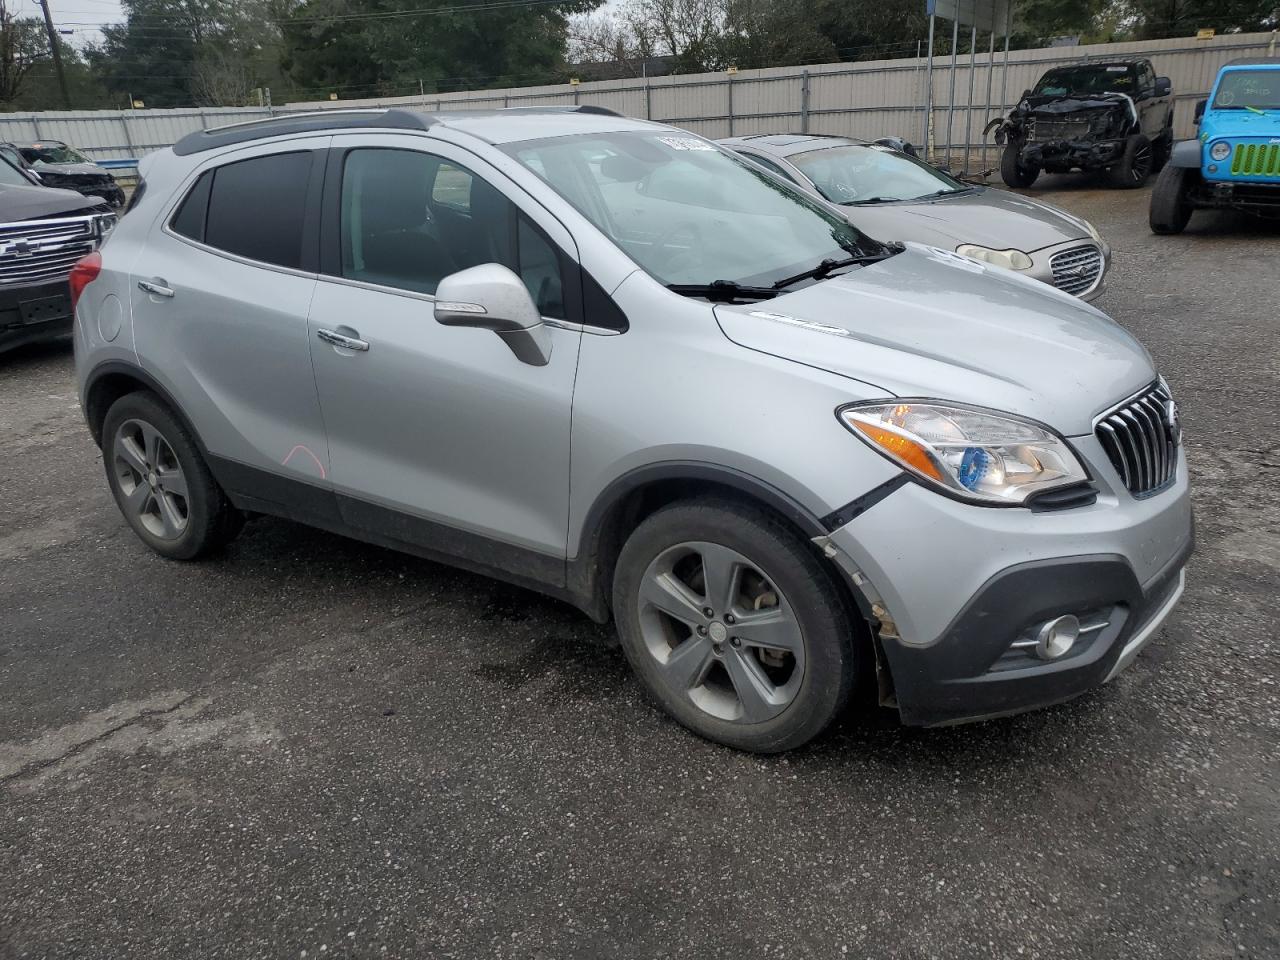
x: 160, y: 481
x: 1134, y: 165
x: 1170, y: 206
x: 1012, y: 172
x: 737, y: 630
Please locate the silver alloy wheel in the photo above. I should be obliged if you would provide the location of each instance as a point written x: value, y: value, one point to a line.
x: 1141, y: 168
x: 721, y: 632
x: 151, y: 479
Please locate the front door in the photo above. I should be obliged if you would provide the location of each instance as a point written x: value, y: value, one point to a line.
x: 439, y: 436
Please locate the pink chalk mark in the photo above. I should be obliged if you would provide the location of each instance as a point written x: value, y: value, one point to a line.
x: 314, y: 459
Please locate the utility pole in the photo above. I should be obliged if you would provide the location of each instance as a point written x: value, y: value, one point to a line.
x: 57, y: 54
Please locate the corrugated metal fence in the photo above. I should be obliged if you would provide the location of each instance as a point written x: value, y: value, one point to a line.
x: 866, y: 99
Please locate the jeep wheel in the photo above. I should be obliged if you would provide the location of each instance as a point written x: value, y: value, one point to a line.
x: 1134, y: 166
x: 1170, y: 205
x: 737, y: 630
x: 161, y: 483
x: 1014, y: 173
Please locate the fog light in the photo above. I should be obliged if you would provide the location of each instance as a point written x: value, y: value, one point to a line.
x: 1213, y: 168
x: 1056, y: 637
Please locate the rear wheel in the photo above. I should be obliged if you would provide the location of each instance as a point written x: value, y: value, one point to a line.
x: 161, y: 483
x: 1171, y: 205
x: 1013, y: 172
x: 1135, y: 163
x: 733, y: 626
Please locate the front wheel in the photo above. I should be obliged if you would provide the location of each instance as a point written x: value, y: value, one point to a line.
x: 735, y: 628
x: 1135, y: 163
x: 1013, y: 172
x: 1171, y: 205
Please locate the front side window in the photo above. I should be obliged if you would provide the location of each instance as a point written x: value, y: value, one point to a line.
x: 857, y: 174
x: 251, y: 208
x: 686, y: 211
x: 409, y: 219
x: 1246, y: 89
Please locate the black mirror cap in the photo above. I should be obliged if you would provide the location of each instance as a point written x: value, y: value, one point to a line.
x: 1164, y: 86
x: 1025, y: 94
x: 1200, y: 106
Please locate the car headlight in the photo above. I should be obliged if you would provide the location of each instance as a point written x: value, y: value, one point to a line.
x: 106, y: 223
x: 1093, y: 231
x: 1220, y: 150
x: 1009, y: 259
x: 976, y: 455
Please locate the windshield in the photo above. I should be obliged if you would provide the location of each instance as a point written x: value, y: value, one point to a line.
x: 857, y: 174
x: 1095, y: 79
x: 688, y: 212
x: 10, y: 177
x: 1241, y: 89
x: 53, y: 153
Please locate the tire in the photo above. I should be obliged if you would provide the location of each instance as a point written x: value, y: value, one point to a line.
x: 1012, y: 172
x: 161, y: 483
x: 1135, y: 163
x: 694, y: 666
x: 1170, y: 209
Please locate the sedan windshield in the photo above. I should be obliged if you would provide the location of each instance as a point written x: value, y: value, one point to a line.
x: 872, y: 174
x: 54, y: 153
x: 10, y: 176
x: 1094, y: 79
x: 1242, y: 89
x: 688, y: 212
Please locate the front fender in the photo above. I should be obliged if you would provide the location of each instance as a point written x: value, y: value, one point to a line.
x: 1186, y: 154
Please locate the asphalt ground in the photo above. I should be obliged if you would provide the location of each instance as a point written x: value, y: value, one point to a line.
x: 311, y: 747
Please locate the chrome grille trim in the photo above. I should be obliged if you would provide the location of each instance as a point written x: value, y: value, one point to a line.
x: 44, y: 250
x: 1077, y: 271
x: 1141, y: 441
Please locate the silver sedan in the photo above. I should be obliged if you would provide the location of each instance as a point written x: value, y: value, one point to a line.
x: 892, y: 196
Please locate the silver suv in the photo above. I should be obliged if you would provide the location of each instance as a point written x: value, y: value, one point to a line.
x: 610, y: 361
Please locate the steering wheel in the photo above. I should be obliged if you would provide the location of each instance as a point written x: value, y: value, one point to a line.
x: 665, y: 243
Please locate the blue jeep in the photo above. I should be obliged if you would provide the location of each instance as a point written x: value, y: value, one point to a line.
x: 1234, y: 162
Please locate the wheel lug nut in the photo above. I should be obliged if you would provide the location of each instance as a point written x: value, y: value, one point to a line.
x: 708, y: 612
x: 702, y: 631
x: 735, y: 642
x: 718, y: 647
x: 728, y: 618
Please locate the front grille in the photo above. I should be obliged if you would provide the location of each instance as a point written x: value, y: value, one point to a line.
x: 1256, y: 160
x: 1045, y: 131
x: 40, y: 251
x: 1141, y: 439
x: 1076, y: 270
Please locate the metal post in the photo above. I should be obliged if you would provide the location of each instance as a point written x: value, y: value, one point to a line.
x: 986, y: 112
x: 35, y: 125
x: 968, y: 112
x: 928, y: 93
x: 731, y: 104
x: 124, y: 127
x: 951, y: 102
x: 804, y: 101
x: 56, y: 52
x: 1004, y: 74
x: 648, y: 90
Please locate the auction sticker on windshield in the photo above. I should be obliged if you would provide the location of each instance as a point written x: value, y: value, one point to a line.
x: 686, y: 143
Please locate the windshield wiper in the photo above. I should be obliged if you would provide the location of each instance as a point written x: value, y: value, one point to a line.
x: 723, y: 291
x: 823, y: 270
x: 856, y: 203
x: 949, y: 192
x: 1261, y: 113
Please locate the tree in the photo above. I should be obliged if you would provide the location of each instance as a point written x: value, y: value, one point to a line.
x: 23, y: 45
x: 1155, y: 19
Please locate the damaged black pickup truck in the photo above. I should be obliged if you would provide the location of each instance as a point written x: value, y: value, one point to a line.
x: 1115, y: 116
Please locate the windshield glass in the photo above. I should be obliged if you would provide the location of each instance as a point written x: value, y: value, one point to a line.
x: 857, y: 174
x: 688, y: 212
x: 1095, y: 79
x: 1240, y: 89
x: 11, y: 177
x: 54, y: 153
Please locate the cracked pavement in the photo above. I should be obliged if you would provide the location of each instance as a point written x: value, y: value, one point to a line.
x: 310, y: 747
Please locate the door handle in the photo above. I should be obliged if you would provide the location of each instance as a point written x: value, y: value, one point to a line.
x: 156, y: 287
x: 339, y: 340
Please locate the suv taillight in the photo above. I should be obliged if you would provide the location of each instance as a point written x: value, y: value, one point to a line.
x: 84, y: 273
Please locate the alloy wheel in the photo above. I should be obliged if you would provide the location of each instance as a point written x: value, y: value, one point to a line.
x: 721, y: 632
x: 1141, y: 167
x: 151, y: 480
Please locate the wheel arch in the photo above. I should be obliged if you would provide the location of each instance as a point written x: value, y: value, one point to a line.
x: 1185, y: 154
x: 110, y: 381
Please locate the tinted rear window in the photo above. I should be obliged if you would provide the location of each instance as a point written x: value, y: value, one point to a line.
x: 189, y: 220
x: 256, y: 208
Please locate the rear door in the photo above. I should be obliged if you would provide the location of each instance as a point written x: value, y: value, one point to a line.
x: 220, y: 295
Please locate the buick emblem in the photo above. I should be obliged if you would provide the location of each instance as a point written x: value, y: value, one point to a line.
x: 1080, y: 272
x: 1173, y: 420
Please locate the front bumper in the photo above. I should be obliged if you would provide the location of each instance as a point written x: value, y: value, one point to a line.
x: 31, y: 314
x: 963, y: 587
x: 1060, y: 156
x: 1249, y: 195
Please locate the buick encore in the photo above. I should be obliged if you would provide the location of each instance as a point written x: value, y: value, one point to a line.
x: 607, y: 360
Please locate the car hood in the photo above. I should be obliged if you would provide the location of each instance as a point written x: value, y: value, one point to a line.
x: 1241, y: 123
x: 1059, y: 105
x: 30, y: 203
x: 990, y: 218
x: 70, y: 169
x: 930, y: 323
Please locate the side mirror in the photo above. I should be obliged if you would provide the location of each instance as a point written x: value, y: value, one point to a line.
x: 1200, y: 107
x: 1025, y: 95
x: 1163, y: 87
x: 491, y: 297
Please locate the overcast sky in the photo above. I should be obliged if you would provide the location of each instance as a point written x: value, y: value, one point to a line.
x: 81, y: 16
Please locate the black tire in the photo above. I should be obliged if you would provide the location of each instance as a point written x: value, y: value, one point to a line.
x: 1171, y: 208
x: 1014, y: 173
x: 209, y: 520
x: 1135, y: 164
x: 801, y: 589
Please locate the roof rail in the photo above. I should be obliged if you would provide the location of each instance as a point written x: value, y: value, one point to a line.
x: 583, y: 108
x: 312, y: 122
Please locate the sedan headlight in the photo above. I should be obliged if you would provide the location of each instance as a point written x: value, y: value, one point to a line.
x: 976, y: 455
x: 106, y: 223
x: 1220, y: 150
x: 1009, y: 259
